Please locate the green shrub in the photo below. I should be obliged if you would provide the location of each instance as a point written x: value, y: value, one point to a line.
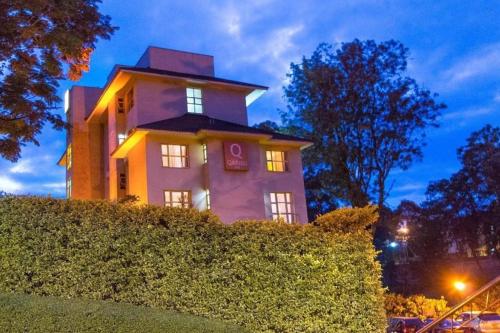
x: 347, y: 220
x: 414, y: 306
x: 266, y: 276
x: 23, y: 313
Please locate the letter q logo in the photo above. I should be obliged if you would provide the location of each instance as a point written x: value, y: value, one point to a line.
x: 236, y: 150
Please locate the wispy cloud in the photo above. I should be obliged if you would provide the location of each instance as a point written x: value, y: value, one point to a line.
x: 9, y: 185
x: 409, y: 187
x: 497, y: 97
x: 468, y: 113
x: 23, y: 166
x: 481, y: 63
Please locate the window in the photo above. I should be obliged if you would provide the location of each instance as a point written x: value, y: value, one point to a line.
x: 281, y: 206
x: 130, y: 99
x: 180, y: 199
x: 207, y: 198
x: 194, y: 100
x: 205, y: 153
x: 121, y: 138
x: 69, y: 157
x: 68, y: 188
x: 120, y: 103
x: 276, y: 161
x: 174, y: 156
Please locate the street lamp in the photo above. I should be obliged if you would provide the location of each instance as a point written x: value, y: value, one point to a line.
x: 459, y: 285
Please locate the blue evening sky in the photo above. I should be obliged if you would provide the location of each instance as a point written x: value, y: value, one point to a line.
x: 455, y: 51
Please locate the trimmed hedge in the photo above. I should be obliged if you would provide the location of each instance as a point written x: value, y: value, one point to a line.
x: 264, y: 275
x: 24, y: 313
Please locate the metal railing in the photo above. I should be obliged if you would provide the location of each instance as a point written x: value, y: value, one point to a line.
x: 483, y: 290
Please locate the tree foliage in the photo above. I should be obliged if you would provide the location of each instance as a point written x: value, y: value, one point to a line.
x: 41, y: 42
x: 414, y: 306
x: 364, y: 116
x: 465, y: 208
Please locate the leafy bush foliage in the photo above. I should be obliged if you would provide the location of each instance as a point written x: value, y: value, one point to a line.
x: 25, y: 313
x: 263, y: 275
x: 347, y: 220
x: 414, y: 306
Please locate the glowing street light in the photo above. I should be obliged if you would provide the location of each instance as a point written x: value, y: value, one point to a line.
x: 404, y: 230
x: 393, y: 244
x: 459, y: 285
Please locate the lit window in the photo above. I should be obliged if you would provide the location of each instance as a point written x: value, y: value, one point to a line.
x: 68, y: 188
x: 121, y: 138
x: 205, y: 153
x: 174, y: 156
x: 276, y: 161
x: 180, y: 199
x: 69, y: 157
x: 66, y: 101
x: 281, y: 206
x: 194, y: 100
x: 207, y: 198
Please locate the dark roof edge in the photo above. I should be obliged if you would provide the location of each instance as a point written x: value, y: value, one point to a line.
x: 149, y: 70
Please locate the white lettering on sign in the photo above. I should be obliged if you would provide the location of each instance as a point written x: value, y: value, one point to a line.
x: 235, y: 156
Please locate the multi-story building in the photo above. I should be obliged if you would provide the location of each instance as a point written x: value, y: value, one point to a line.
x: 171, y: 133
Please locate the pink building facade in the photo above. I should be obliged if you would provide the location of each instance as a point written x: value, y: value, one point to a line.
x: 169, y: 132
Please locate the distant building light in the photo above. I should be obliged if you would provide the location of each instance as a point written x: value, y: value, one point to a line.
x: 66, y: 101
x: 393, y: 244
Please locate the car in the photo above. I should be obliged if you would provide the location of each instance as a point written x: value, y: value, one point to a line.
x: 448, y: 326
x: 404, y: 325
x: 480, y: 322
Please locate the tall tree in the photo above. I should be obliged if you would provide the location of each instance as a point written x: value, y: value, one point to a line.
x: 41, y: 42
x: 364, y: 116
x: 468, y: 202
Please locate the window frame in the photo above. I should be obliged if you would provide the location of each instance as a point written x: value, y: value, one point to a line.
x: 188, y: 204
x: 289, y: 216
x: 69, y: 156
x: 208, y: 200
x: 285, y: 161
x: 69, y: 187
x: 205, y: 153
x: 186, y: 157
x: 194, y: 100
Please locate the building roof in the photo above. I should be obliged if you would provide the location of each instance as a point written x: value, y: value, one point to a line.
x: 148, y: 70
x: 193, y: 123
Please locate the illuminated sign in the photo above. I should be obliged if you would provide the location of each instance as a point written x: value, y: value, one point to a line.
x: 235, y: 156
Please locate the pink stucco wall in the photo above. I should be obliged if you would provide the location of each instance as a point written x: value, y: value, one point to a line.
x: 84, y: 172
x: 245, y: 194
x: 234, y: 195
x: 157, y: 100
x: 161, y: 178
x: 177, y: 61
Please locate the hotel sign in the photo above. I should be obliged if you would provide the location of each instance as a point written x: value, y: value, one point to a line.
x: 235, y: 156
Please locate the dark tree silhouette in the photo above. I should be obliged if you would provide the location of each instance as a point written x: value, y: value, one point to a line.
x: 41, y: 42
x: 364, y: 116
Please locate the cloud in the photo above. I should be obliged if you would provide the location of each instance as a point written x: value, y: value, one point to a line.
x: 497, y: 97
x: 485, y: 62
x: 23, y: 166
x: 468, y: 113
x: 9, y: 185
x: 409, y: 187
